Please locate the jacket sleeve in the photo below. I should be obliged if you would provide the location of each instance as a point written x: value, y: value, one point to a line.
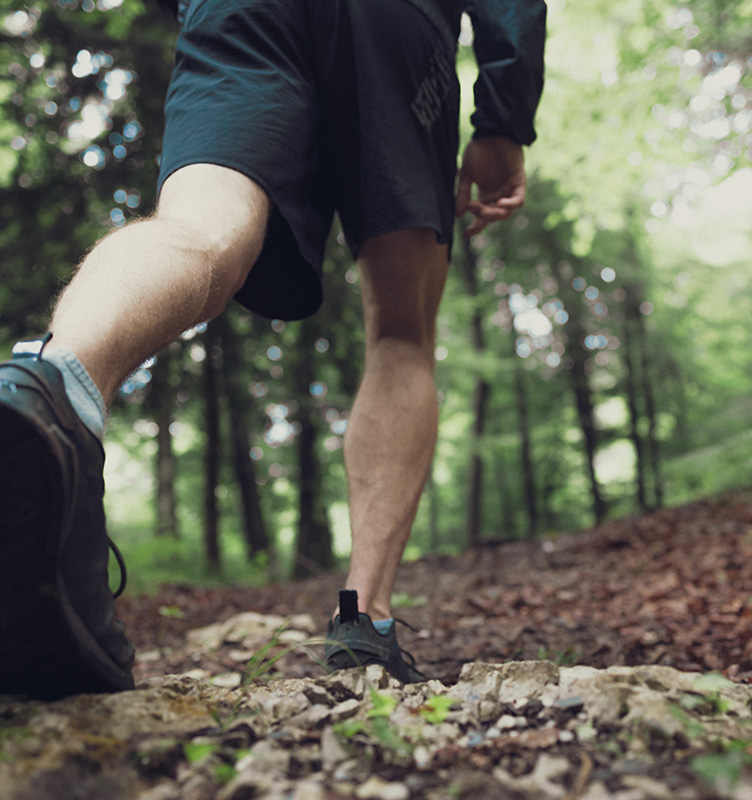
x: 509, y: 37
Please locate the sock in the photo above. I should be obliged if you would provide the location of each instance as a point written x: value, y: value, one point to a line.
x: 82, y: 392
x: 383, y: 625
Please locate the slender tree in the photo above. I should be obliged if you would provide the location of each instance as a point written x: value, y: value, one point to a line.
x: 212, y: 447
x: 240, y: 405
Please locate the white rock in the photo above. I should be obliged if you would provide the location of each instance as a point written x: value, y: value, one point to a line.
x: 345, y: 710
x: 308, y: 790
x: 507, y: 721
x: 162, y: 791
x: 376, y: 788
x: 333, y: 751
x: 650, y: 788
x: 248, y: 625
x: 227, y: 680
x: 540, y: 782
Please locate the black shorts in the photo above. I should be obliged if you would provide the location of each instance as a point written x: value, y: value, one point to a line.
x: 330, y: 105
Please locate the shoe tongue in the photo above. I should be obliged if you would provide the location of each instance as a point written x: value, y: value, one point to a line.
x: 348, y: 605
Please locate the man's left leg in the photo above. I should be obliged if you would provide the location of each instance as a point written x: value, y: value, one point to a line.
x: 392, y: 429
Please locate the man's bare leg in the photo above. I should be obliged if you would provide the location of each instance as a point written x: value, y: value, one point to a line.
x: 391, y: 434
x: 146, y: 283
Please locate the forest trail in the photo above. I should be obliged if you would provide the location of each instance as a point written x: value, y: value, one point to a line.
x: 584, y: 667
x: 671, y: 587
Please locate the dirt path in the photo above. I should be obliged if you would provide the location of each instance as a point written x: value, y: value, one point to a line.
x: 581, y: 701
x: 673, y: 587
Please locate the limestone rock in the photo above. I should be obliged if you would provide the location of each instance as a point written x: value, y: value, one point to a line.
x: 250, y: 628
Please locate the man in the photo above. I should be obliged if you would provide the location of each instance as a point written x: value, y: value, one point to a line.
x: 279, y: 113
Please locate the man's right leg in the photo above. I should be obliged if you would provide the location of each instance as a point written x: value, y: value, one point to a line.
x: 137, y: 289
x: 144, y: 284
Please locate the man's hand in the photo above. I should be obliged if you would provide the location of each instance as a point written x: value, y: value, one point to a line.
x: 496, y: 165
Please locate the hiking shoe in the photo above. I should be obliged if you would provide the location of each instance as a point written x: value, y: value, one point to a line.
x: 352, y: 641
x: 58, y: 631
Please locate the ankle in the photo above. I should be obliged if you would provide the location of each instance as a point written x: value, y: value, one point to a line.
x: 82, y: 392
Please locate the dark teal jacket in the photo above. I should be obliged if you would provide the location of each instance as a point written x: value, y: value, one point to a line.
x: 508, y: 44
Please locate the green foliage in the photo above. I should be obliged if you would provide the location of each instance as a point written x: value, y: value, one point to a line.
x: 262, y: 662
x: 224, y: 773
x: 171, y: 612
x: 377, y: 725
x: 404, y: 600
x: 436, y: 709
x: 198, y: 752
x: 195, y: 753
x: 8, y: 734
x: 723, y: 769
x: 691, y: 726
x: 382, y: 705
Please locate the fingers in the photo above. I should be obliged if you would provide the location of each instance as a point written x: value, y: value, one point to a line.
x: 486, y: 213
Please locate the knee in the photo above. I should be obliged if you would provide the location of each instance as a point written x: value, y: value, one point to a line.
x: 403, y: 276
x: 223, y: 215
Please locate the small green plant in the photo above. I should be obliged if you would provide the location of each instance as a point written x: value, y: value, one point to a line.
x: 196, y: 752
x: 224, y: 769
x: 264, y: 659
x: 9, y: 734
x: 722, y: 770
x: 382, y: 704
x: 224, y: 773
x: 167, y: 613
x: 436, y: 709
x: 691, y: 726
x: 377, y: 725
x: 404, y: 600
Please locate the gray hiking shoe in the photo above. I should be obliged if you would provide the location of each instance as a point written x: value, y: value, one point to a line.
x: 352, y: 641
x: 58, y: 631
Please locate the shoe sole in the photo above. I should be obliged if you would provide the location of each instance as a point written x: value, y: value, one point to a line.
x: 45, y: 650
x: 343, y: 652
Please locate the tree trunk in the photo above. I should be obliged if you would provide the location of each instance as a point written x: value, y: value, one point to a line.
x: 630, y: 385
x: 162, y: 403
x: 314, y: 544
x: 434, y: 537
x: 639, y: 367
x: 650, y: 410
x: 481, y: 395
x: 212, y: 449
x: 239, y: 401
x: 477, y: 467
x: 585, y: 414
x: 583, y: 397
x: 507, y: 510
x: 526, y: 455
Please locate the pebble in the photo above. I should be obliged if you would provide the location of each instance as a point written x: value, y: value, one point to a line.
x: 227, y: 680
x: 376, y: 788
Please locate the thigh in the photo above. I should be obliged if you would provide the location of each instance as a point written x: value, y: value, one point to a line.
x: 402, y: 276
x: 403, y: 119
x: 242, y: 94
x: 243, y: 97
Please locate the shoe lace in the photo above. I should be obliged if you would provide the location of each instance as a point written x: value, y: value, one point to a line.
x: 121, y: 564
x: 407, y: 652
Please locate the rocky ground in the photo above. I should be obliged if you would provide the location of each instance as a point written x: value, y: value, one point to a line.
x: 606, y: 664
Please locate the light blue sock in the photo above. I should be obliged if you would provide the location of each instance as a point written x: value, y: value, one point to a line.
x: 82, y: 392
x: 383, y: 625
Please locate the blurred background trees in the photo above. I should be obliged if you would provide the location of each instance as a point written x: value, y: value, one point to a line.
x: 594, y: 353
